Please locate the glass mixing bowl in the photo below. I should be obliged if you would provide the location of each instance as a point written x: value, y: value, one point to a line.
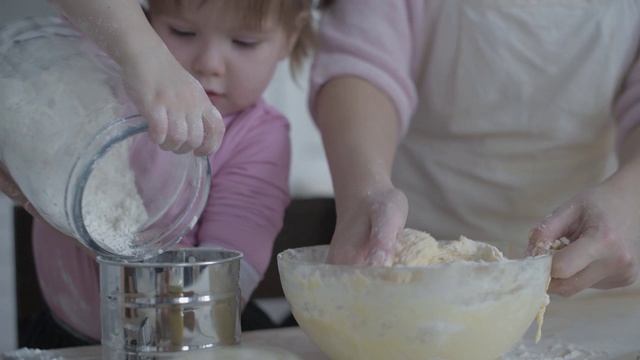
x: 454, y: 311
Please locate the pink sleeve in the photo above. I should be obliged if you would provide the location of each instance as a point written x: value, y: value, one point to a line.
x: 373, y: 40
x: 627, y: 107
x: 249, y: 190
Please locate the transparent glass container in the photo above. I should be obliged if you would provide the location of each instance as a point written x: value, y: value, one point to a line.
x: 72, y: 141
x: 463, y: 310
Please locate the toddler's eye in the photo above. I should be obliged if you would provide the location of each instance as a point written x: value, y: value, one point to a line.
x: 182, y: 33
x: 245, y: 43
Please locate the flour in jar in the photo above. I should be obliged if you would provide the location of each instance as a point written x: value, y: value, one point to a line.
x: 54, y: 97
x: 113, y: 211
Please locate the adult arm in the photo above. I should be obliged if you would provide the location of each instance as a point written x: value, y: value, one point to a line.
x: 359, y: 129
x: 180, y: 116
x: 362, y: 97
x: 10, y: 188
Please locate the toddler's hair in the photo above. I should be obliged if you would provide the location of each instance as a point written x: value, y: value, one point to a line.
x: 254, y: 13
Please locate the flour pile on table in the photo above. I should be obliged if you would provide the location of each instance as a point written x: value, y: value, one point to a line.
x: 31, y: 354
x: 555, y: 351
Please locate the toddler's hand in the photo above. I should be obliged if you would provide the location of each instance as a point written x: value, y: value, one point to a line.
x: 367, y: 228
x: 180, y: 116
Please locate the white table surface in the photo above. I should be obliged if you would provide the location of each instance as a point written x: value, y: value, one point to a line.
x: 596, y: 325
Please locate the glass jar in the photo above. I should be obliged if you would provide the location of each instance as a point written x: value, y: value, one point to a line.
x: 72, y: 141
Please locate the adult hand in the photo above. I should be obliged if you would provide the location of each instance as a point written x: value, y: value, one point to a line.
x: 367, y: 228
x: 603, y: 230
x: 9, y: 187
x: 180, y: 116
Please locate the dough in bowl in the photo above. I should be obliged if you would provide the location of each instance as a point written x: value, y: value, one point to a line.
x: 445, y: 300
x: 418, y: 248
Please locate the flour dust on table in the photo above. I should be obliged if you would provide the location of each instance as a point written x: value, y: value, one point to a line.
x: 553, y: 351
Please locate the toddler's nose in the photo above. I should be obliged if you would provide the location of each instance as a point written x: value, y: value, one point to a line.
x: 209, y: 62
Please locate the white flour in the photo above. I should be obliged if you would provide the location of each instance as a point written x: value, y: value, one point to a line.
x: 112, y: 208
x: 553, y: 351
x: 53, y: 99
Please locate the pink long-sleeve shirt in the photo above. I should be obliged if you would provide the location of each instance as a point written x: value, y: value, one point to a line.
x: 384, y: 42
x: 505, y: 108
x: 244, y: 212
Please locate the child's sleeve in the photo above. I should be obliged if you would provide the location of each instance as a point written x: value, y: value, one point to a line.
x: 377, y: 40
x: 249, y: 195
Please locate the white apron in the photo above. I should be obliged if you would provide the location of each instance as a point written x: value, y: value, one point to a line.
x: 515, y: 112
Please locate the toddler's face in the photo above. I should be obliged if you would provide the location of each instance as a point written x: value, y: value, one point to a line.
x: 234, y: 64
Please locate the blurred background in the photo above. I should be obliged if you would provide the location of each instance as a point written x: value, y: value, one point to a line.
x: 309, y: 176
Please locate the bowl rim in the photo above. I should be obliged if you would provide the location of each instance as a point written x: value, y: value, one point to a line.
x: 505, y: 262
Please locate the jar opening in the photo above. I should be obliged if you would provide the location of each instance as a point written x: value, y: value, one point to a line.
x: 128, y: 198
